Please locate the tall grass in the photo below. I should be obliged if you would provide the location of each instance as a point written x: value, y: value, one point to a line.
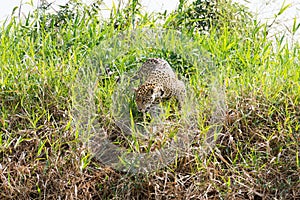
x: 43, y: 156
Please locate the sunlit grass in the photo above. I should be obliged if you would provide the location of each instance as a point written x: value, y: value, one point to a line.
x: 42, y: 152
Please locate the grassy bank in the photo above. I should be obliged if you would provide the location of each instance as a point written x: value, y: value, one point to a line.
x: 43, y: 156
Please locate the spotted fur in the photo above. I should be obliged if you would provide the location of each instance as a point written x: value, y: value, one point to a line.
x: 159, y: 83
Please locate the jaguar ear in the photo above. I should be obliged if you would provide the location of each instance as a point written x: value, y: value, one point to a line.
x: 134, y: 89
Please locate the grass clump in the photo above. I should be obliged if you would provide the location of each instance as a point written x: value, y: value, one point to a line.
x: 43, y: 154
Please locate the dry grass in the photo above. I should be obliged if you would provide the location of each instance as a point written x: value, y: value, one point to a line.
x: 43, y: 156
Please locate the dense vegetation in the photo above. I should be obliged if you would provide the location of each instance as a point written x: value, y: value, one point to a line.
x: 43, y: 155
